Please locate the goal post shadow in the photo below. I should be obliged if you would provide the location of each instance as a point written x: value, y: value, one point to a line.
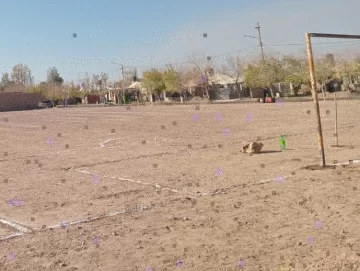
x: 308, y: 37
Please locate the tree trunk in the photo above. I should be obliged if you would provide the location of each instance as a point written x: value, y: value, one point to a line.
x: 165, y: 98
x: 181, y: 98
x: 207, y: 91
x: 238, y: 88
x: 323, y: 91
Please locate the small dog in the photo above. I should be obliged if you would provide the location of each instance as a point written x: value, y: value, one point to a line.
x: 252, y: 147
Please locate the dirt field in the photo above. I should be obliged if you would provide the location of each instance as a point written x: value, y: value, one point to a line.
x: 157, y: 188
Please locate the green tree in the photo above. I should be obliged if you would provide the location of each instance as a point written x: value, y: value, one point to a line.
x: 349, y: 70
x: 153, y: 81
x: 38, y: 89
x: 53, y: 76
x: 324, y: 69
x: 295, y: 70
x: 263, y: 74
x: 172, y: 81
x: 74, y: 93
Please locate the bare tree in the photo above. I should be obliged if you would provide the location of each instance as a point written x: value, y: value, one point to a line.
x: 235, y: 68
x: 5, y: 80
x: 86, y: 83
x: 104, y: 79
x: 189, y: 77
x: 203, y: 68
x: 21, y: 75
x: 96, y: 81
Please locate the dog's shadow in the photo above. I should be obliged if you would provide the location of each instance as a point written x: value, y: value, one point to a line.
x: 269, y: 152
x: 262, y: 152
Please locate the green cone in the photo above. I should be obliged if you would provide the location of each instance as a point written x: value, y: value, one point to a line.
x: 282, y: 142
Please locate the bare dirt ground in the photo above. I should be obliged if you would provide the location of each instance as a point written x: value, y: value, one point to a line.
x: 158, y: 187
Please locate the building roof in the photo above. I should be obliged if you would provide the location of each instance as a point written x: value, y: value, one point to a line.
x: 15, y: 88
x: 135, y: 85
x: 222, y: 79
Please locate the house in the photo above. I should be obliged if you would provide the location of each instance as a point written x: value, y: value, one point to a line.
x: 135, y: 91
x: 112, y: 94
x: 131, y: 92
x: 223, y: 87
x: 284, y: 89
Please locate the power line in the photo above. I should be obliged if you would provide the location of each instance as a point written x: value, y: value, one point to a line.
x: 189, y: 61
x: 251, y: 47
x: 303, y: 44
x: 238, y: 51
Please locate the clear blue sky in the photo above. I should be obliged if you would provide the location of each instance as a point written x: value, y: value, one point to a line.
x: 39, y: 33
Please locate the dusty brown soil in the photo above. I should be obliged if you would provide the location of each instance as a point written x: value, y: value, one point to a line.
x: 183, y: 189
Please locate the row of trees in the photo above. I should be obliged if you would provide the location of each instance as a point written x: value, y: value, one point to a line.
x: 168, y: 80
x: 254, y: 74
x: 20, y: 75
x: 288, y: 68
x: 54, y: 88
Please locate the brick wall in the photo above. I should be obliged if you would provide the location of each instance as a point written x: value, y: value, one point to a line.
x: 93, y: 98
x: 14, y: 101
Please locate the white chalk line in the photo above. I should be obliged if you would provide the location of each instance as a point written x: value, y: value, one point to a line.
x: 16, y: 226
x: 202, y: 194
x: 132, y: 181
x: 346, y: 163
x: 102, y: 144
x: 3, y: 238
x: 90, y: 219
x: 25, y: 230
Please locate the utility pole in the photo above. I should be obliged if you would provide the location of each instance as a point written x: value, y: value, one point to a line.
x: 53, y: 103
x: 261, y: 44
x: 137, y: 92
x: 123, y: 85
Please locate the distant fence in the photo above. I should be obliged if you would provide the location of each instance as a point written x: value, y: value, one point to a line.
x: 14, y: 101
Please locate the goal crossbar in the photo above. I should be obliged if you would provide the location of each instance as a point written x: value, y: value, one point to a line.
x: 308, y: 37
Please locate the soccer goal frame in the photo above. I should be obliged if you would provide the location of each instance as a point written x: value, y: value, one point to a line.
x: 308, y: 37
